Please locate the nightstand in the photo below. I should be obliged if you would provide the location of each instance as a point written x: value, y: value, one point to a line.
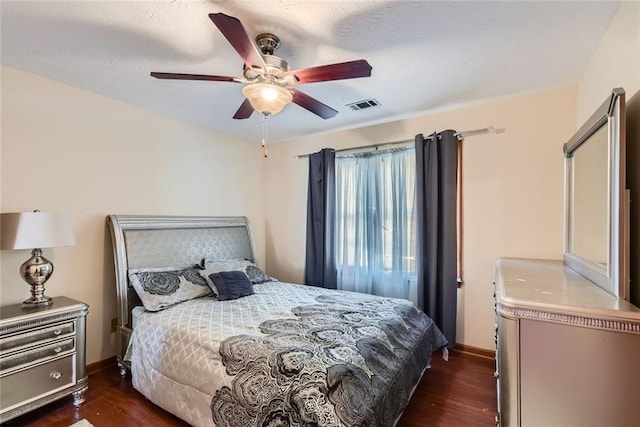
x: 42, y: 355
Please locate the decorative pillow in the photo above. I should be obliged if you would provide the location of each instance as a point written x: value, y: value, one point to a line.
x: 249, y: 268
x: 256, y: 275
x: 231, y: 285
x: 159, y: 288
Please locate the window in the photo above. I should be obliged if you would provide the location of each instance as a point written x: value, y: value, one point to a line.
x: 376, y: 223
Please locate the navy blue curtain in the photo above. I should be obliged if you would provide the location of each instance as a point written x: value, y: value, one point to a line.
x: 320, y: 264
x: 436, y: 197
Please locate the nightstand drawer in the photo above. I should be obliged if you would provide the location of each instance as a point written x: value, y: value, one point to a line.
x: 9, y: 342
x: 34, y: 383
x: 37, y: 354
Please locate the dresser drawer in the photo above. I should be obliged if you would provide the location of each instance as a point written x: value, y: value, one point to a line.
x: 37, y: 354
x: 9, y: 342
x: 31, y: 384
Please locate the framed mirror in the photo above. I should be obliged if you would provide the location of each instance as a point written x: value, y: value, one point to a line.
x: 596, y: 199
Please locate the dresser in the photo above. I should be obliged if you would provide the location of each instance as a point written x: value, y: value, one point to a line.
x: 42, y: 355
x: 567, y: 352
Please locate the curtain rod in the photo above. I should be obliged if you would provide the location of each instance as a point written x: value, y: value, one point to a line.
x: 459, y: 135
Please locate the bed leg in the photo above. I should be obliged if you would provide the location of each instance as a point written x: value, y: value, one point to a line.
x: 123, y: 369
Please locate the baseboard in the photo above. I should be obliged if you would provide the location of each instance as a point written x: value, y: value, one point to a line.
x: 100, y: 365
x: 476, y: 351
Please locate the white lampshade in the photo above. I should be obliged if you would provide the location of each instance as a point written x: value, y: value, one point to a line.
x: 267, y: 98
x: 29, y: 230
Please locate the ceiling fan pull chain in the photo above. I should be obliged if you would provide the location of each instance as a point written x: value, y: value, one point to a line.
x: 265, y: 116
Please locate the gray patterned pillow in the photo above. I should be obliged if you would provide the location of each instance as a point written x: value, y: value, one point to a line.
x: 159, y: 288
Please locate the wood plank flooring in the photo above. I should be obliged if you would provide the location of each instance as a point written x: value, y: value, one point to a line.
x: 460, y: 392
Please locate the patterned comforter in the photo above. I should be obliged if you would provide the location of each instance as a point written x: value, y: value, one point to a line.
x: 290, y: 355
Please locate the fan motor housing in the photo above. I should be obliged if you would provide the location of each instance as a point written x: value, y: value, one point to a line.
x: 276, y: 67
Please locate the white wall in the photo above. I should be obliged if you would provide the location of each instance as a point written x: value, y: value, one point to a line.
x: 67, y: 150
x: 616, y: 62
x: 512, y: 191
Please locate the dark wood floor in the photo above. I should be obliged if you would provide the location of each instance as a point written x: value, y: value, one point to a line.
x: 460, y: 392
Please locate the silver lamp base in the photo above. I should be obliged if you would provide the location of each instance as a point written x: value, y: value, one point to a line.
x: 36, y: 271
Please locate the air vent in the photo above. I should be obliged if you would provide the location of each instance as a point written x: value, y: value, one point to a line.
x: 364, y: 104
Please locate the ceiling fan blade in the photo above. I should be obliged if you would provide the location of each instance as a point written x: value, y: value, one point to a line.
x: 312, y: 104
x: 245, y: 110
x: 180, y: 76
x: 339, y: 71
x: 235, y: 33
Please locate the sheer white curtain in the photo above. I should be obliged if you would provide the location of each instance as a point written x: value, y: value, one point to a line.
x: 376, y: 223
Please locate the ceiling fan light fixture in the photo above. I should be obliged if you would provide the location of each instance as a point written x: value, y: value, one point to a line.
x: 267, y: 98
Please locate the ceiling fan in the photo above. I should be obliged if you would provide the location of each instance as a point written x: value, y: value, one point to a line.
x: 267, y: 78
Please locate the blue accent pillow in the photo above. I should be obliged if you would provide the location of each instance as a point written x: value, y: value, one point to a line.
x: 231, y: 285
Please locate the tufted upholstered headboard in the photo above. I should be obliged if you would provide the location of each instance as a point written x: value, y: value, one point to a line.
x: 164, y: 241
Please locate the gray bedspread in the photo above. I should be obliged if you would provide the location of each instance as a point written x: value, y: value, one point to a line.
x: 289, y: 355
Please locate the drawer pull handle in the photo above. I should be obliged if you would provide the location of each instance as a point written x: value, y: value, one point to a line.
x: 57, y: 349
x: 57, y: 332
x: 55, y: 375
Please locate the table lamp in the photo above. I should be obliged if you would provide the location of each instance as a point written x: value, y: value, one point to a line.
x: 35, y: 230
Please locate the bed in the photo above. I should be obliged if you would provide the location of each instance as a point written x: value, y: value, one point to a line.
x: 282, y: 355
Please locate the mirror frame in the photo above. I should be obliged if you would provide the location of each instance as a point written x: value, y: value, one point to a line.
x: 615, y: 277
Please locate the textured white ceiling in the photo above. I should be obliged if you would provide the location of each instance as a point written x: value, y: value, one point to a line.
x: 425, y: 55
